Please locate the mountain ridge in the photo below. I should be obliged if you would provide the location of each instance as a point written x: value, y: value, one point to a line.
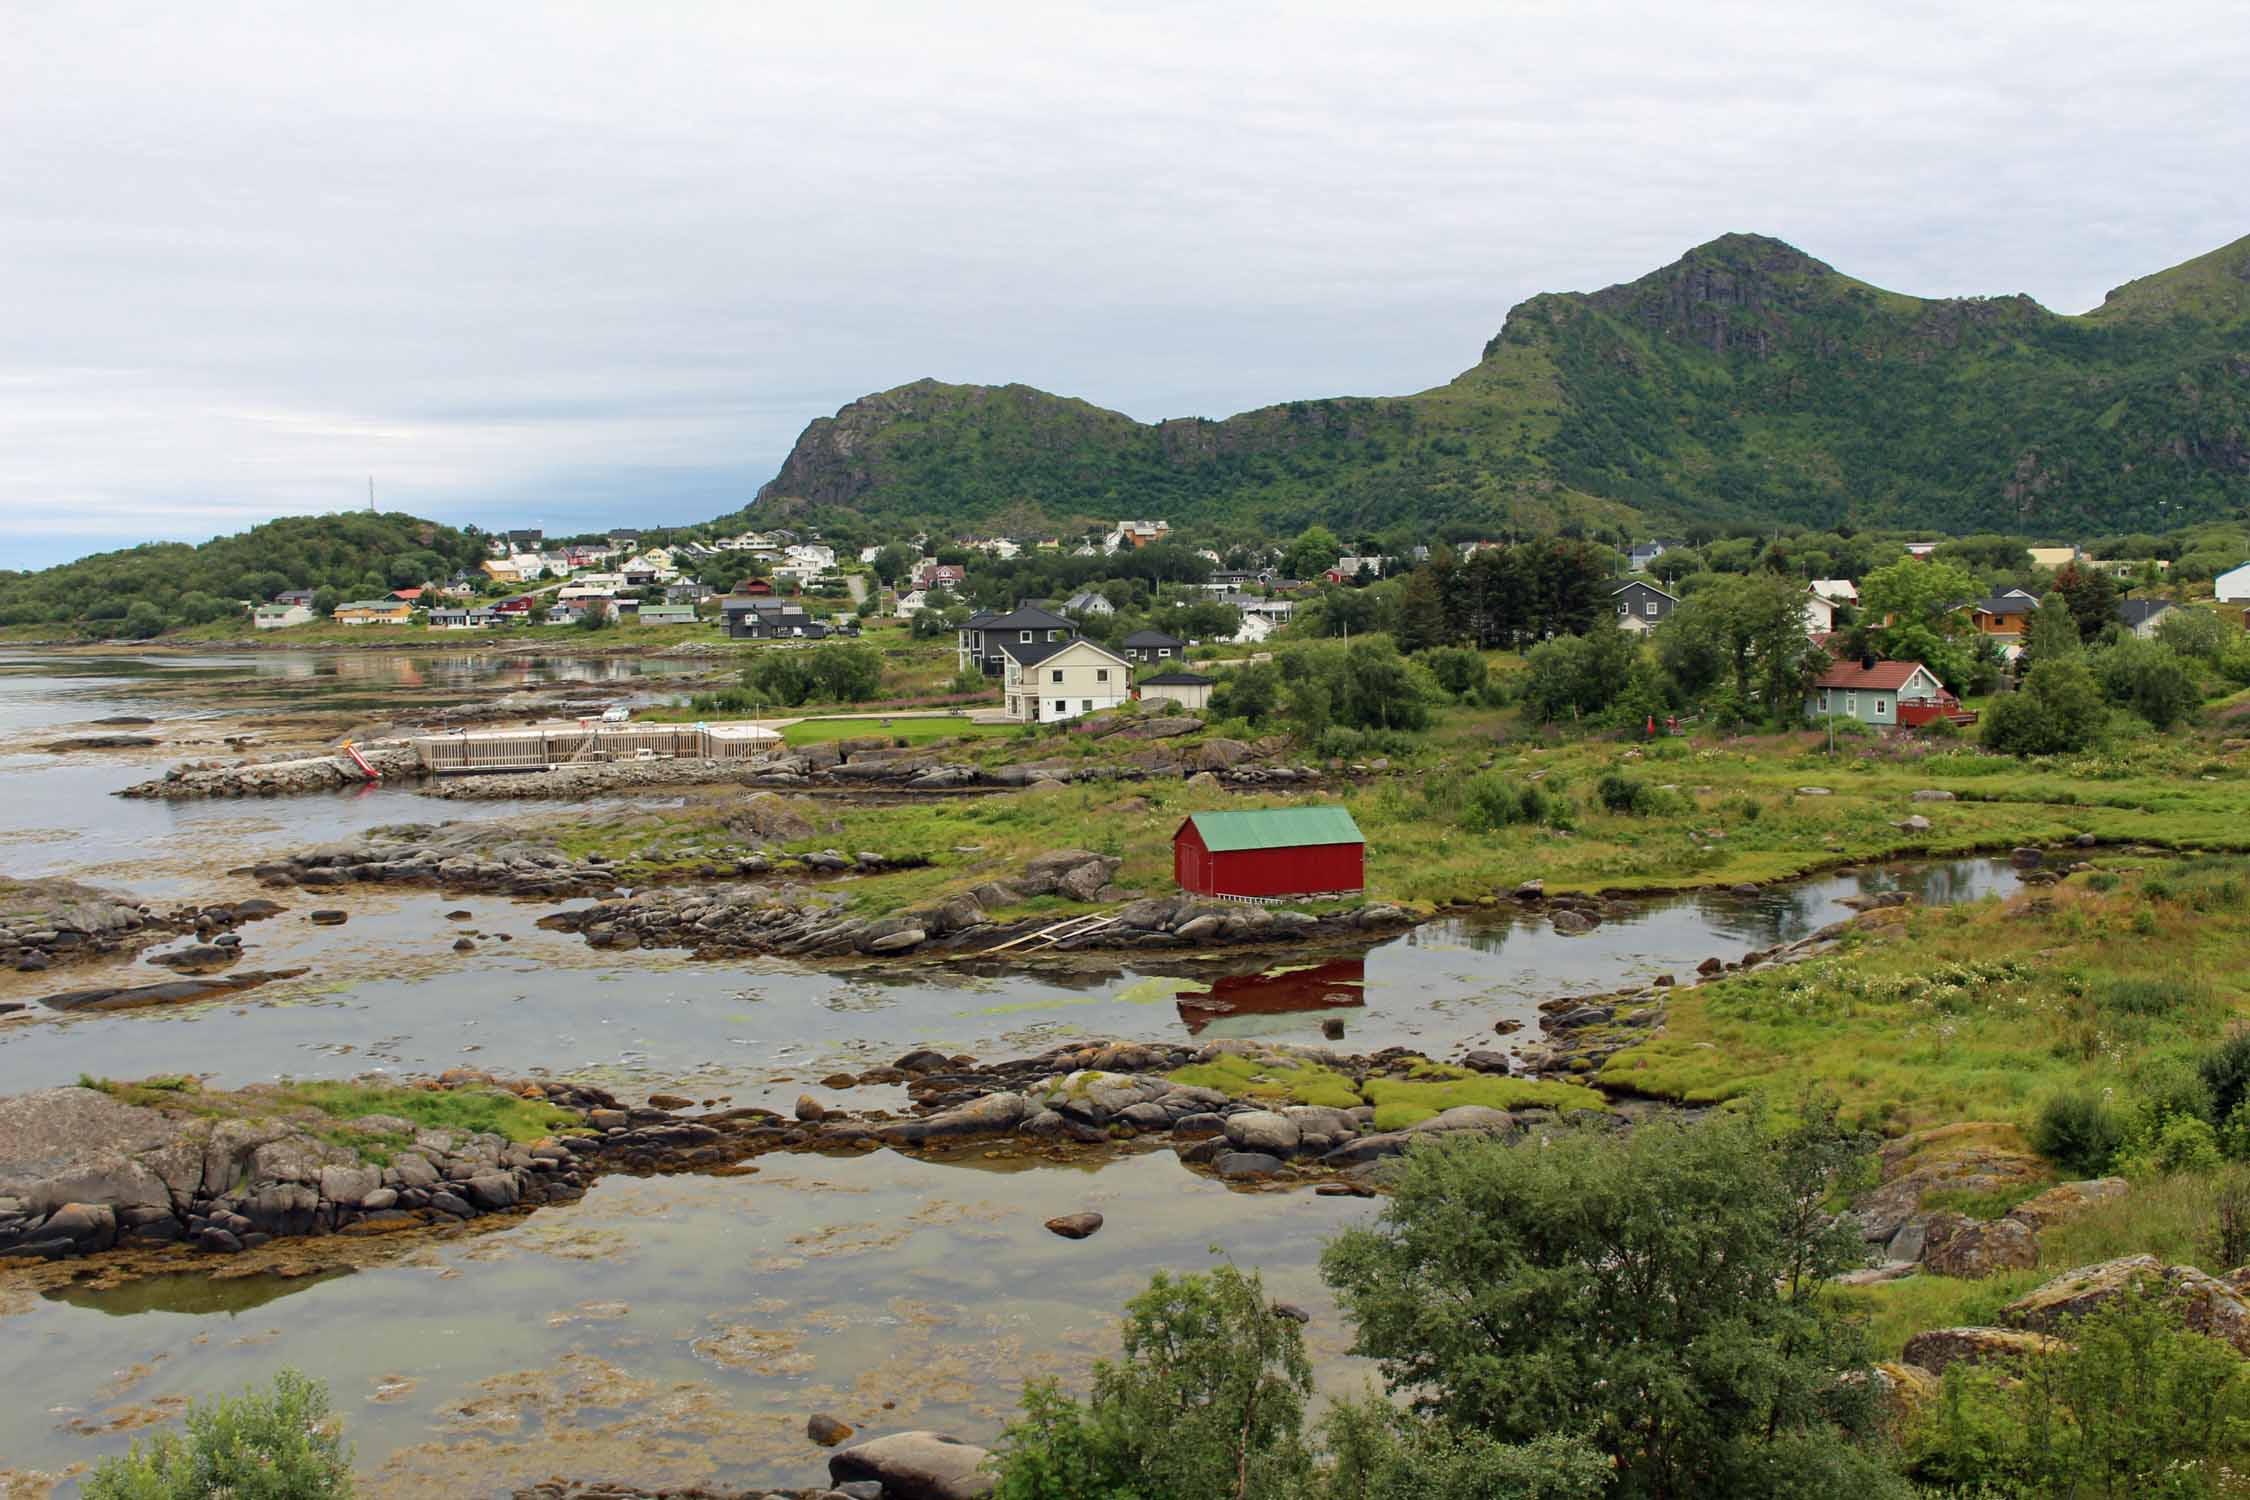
x: 1745, y: 381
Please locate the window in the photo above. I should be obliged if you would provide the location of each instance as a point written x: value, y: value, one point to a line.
x: 1882, y: 706
x: 1061, y: 707
x: 1851, y: 703
x: 1624, y: 609
x: 1027, y: 638
x: 1164, y: 651
x: 1101, y: 674
x: 1652, y: 609
x: 1054, y: 635
x: 1057, y: 675
x: 1087, y: 705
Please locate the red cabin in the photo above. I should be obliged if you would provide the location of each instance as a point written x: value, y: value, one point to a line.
x: 1270, y: 854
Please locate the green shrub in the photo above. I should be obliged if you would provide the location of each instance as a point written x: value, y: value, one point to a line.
x: 282, y: 1445
x: 2225, y: 1071
x: 2079, y: 1132
x: 2153, y: 995
x: 1491, y: 802
x: 1621, y: 793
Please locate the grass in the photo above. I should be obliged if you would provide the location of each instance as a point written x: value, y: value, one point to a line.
x: 315, y: 1104
x: 1398, y: 1102
x: 902, y: 732
x: 1973, y: 1012
x: 1434, y: 1089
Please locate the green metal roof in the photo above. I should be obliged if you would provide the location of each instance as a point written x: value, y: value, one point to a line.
x: 1276, y: 828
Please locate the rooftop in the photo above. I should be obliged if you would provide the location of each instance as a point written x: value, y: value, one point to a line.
x: 1275, y: 828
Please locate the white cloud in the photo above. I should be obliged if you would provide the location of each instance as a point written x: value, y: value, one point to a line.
x: 252, y: 253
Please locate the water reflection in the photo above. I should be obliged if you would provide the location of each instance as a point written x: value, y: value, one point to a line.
x: 1293, y: 990
x: 192, y: 1293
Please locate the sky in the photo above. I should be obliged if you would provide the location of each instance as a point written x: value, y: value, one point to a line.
x: 576, y: 265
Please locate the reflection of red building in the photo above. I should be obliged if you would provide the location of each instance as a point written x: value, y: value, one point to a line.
x: 1333, y: 985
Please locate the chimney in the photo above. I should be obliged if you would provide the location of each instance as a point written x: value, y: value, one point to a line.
x: 1867, y: 662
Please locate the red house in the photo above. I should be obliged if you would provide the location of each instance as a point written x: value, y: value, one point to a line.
x: 1270, y: 854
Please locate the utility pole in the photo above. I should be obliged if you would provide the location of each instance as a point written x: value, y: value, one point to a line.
x: 371, y: 494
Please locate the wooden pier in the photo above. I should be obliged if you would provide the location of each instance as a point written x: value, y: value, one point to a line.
x: 475, y: 752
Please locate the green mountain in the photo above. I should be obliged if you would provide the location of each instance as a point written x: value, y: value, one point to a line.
x: 140, y: 590
x: 1746, y: 382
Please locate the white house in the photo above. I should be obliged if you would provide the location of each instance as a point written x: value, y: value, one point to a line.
x: 2143, y: 616
x: 2233, y: 586
x: 1046, y: 681
x: 1820, y: 613
x: 1836, y: 590
x: 1089, y: 603
x: 280, y: 616
x: 1187, y: 689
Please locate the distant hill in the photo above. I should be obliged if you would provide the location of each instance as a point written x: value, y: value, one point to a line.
x: 1745, y: 382
x: 140, y: 590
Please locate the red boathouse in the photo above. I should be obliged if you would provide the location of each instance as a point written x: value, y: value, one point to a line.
x: 1270, y: 854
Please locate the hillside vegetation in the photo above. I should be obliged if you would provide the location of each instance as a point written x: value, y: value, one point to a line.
x: 141, y: 591
x: 1746, y: 382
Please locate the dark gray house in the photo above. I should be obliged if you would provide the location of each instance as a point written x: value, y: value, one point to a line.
x: 1152, y: 645
x: 755, y: 619
x: 984, y: 635
x: 1642, y: 606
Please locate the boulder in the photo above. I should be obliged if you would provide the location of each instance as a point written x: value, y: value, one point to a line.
x: 914, y: 1466
x: 1075, y: 1226
x: 1931, y: 794
x: 1248, y: 1165
x: 1263, y: 1130
x: 1964, y: 1247
x: 994, y: 1114
x: 1934, y: 1349
x: 826, y: 1430
x: 2026, y: 858
x: 2067, y: 1198
x: 1572, y: 923
x: 2207, y: 1305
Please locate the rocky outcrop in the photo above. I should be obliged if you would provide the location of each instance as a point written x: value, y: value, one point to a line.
x: 1935, y: 1349
x: 169, y: 992
x: 48, y: 923
x: 914, y: 1466
x: 2206, y: 1304
x: 723, y: 922
x: 82, y: 1172
x: 279, y: 776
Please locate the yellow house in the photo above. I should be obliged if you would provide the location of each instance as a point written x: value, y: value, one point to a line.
x: 1050, y: 680
x: 375, y: 612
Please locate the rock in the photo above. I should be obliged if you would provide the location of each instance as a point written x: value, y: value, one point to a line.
x: 1934, y: 1349
x: 1484, y: 1060
x: 328, y: 918
x: 826, y: 1430
x: 1711, y: 966
x: 914, y: 1466
x: 994, y: 1114
x: 674, y: 1101
x: 1291, y: 1312
x: 1198, y: 1127
x: 1196, y: 928
x: 1571, y: 923
x: 1333, y: 1028
x: 1248, y: 1165
x: 2025, y: 858
x: 2067, y: 1198
x: 922, y: 1060
x: 1931, y: 794
x: 1814, y: 791
x: 809, y: 1108
x: 1263, y: 1130
x: 1915, y: 824
x: 1968, y: 1248
x: 1075, y: 1226
x: 89, y: 1226
x: 2207, y: 1305
x: 464, y: 945
x: 1530, y: 890
x: 899, y: 941
x: 1476, y: 1117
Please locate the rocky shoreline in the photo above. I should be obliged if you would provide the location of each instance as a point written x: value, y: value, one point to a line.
x: 47, y: 924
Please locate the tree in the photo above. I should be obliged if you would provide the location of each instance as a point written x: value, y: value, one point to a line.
x: 2051, y: 634
x: 1459, y: 671
x: 283, y: 1444
x: 893, y: 562
x: 1913, y: 602
x: 1660, y: 1293
x: 2147, y: 677
x: 1206, y: 1401
x: 596, y: 615
x: 1421, y: 613
x: 142, y: 620
x: 2090, y: 595
x: 1755, y: 625
x: 2058, y: 709
x: 1314, y: 552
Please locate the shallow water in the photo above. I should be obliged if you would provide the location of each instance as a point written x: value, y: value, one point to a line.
x: 681, y: 1330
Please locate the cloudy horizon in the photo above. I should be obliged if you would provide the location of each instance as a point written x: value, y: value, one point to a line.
x: 572, y: 265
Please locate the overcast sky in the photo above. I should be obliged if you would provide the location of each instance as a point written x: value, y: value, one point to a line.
x: 580, y: 264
